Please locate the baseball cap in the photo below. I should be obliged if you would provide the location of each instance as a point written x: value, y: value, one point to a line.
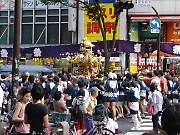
x: 94, y: 89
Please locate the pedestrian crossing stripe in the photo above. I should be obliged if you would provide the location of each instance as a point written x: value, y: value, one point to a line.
x: 134, y: 133
x: 143, y: 128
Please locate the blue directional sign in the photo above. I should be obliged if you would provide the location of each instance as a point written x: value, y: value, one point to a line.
x: 155, y: 23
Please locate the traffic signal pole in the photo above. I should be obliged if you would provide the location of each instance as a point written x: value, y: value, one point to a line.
x: 16, y: 48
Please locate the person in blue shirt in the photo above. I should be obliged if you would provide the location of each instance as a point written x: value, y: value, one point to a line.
x: 110, y: 96
x: 134, y: 97
x: 71, y: 91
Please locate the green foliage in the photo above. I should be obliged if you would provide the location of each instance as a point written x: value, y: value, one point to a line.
x: 93, y: 11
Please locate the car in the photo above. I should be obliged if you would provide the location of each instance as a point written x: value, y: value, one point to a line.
x: 32, y: 69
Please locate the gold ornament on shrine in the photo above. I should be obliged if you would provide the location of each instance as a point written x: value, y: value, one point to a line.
x: 87, y: 63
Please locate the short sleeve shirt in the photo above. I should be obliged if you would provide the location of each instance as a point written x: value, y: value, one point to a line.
x: 35, y: 113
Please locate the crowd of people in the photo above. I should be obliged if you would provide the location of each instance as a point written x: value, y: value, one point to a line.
x: 123, y: 95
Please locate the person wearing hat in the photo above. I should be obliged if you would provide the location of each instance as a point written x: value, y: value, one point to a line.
x: 98, y: 83
x: 88, y: 109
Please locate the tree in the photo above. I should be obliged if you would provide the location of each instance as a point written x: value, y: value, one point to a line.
x: 95, y: 12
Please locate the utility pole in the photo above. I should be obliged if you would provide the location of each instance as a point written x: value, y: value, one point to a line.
x: 158, y: 40
x: 16, y: 48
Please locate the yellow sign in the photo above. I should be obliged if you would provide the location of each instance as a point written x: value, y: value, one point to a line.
x: 92, y: 30
x: 133, y: 69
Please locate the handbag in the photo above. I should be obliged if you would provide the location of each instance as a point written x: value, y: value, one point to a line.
x: 150, y: 109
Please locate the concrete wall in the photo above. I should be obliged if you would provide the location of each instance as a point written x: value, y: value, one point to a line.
x: 165, y: 7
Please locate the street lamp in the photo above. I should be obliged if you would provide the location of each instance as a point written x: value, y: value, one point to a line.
x: 158, y: 40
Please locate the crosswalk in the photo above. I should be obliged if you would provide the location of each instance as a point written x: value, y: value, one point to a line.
x: 146, y: 125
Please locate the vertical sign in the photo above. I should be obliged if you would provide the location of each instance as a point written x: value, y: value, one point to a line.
x: 92, y: 30
x: 134, y: 32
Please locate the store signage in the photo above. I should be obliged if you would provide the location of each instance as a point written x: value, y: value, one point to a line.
x: 173, y: 32
x: 112, y: 59
x: 144, y: 2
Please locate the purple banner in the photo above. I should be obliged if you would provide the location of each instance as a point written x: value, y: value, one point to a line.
x: 61, y: 50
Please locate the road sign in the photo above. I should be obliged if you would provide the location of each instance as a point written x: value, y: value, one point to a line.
x: 155, y: 23
x: 155, y: 30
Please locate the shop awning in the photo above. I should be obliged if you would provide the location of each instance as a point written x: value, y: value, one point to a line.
x: 163, y: 18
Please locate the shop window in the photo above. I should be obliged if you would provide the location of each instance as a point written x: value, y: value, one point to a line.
x: 53, y: 33
x: 11, y: 13
x: 3, y: 34
x: 11, y: 34
x: 27, y: 34
x: 38, y: 29
x: 11, y: 20
x: 66, y: 36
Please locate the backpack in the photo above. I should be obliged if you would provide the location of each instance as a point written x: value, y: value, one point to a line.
x: 78, y: 107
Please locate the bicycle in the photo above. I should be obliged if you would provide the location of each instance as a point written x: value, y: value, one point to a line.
x: 100, y: 123
x: 60, y: 117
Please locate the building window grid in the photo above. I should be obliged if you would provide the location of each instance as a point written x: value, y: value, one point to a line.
x: 11, y: 17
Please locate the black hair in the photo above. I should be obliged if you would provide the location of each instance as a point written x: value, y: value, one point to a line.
x: 56, y: 79
x: 153, y: 87
x: 155, y: 132
x: 133, y: 84
x: 31, y: 79
x: 161, y: 72
x: 156, y: 72
x: 24, y: 77
x: 135, y: 77
x: 149, y: 74
x: 63, y: 78
x: 25, y: 90
x: 80, y: 84
x: 119, y: 77
x: 80, y: 93
x: 37, y: 92
x: 128, y: 76
x: 57, y: 95
x: 170, y: 119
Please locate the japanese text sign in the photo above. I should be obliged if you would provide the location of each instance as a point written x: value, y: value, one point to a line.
x: 173, y: 32
x: 92, y: 30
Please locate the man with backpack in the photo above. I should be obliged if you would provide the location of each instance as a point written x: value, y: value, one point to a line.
x: 77, y: 106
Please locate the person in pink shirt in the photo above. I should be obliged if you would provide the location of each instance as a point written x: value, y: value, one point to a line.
x: 22, y: 128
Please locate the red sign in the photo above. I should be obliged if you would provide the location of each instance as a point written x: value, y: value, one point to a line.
x: 173, y: 32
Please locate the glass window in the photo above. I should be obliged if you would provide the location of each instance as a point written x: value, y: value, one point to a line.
x: 27, y: 34
x: 66, y: 36
x: 38, y: 29
x: 40, y: 19
x: 12, y: 20
x: 3, y: 34
x: 11, y: 13
x: 40, y: 12
x: 3, y: 19
x: 53, y: 18
x: 27, y: 12
x: 11, y: 34
x: 4, y: 13
x: 27, y: 19
x: 53, y: 12
x: 53, y: 34
x: 64, y: 11
x: 64, y: 18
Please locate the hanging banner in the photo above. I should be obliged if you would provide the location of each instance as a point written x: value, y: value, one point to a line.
x: 134, y: 31
x: 92, y: 30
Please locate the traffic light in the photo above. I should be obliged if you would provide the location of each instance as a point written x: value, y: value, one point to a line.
x: 119, y: 6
